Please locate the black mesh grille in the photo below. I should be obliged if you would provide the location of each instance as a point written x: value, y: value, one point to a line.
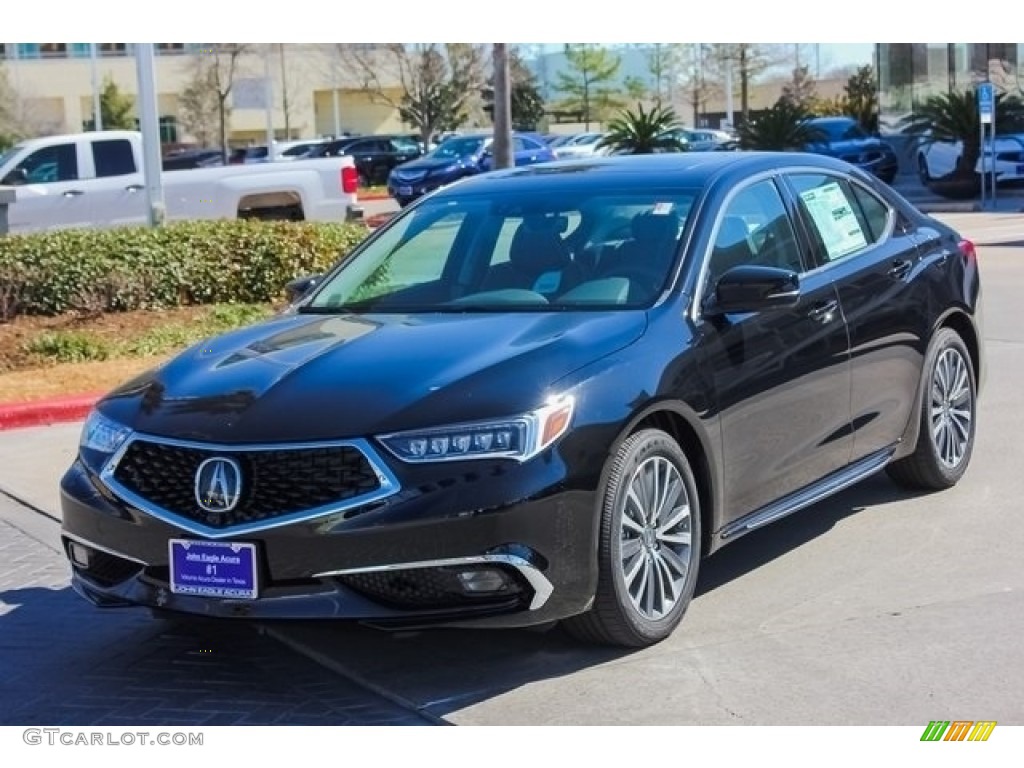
x: 108, y: 570
x: 424, y: 588
x: 274, y: 483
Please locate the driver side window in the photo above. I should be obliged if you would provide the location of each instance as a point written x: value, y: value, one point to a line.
x: 50, y: 164
x: 754, y: 228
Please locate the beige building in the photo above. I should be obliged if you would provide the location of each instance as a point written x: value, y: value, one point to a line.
x: 54, y: 85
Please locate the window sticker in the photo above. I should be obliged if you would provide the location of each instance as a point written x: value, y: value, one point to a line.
x: 662, y: 209
x: 834, y: 217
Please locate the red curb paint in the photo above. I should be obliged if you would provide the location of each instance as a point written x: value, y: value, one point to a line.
x: 375, y: 196
x: 52, y: 411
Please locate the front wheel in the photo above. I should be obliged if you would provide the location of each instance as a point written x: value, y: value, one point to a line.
x: 948, y: 417
x: 922, y: 170
x: 649, y: 546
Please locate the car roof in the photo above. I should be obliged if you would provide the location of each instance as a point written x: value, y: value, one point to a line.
x: 693, y: 170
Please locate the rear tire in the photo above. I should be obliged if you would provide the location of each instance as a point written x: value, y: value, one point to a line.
x: 948, y: 418
x: 648, y: 548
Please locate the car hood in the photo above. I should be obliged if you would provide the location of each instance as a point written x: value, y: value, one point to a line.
x: 433, y: 163
x: 850, y: 145
x: 317, y: 377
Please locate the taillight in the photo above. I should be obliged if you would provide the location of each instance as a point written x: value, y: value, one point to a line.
x: 349, y: 180
x: 968, y: 250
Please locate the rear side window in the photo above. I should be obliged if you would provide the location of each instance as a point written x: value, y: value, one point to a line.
x: 113, y: 158
x: 876, y: 213
x: 838, y: 227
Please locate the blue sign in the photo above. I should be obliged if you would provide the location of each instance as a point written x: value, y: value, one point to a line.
x: 986, y: 102
x: 213, y: 569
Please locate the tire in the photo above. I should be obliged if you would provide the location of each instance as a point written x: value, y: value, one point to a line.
x: 922, y: 170
x: 628, y: 609
x: 948, y: 418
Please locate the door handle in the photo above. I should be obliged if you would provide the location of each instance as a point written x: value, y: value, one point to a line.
x: 134, y: 188
x: 825, y: 312
x: 900, y: 268
x: 73, y: 192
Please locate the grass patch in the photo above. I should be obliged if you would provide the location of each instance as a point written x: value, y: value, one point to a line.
x: 69, y: 347
x: 76, y: 346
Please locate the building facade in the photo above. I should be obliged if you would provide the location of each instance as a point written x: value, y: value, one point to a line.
x: 910, y: 73
x: 53, y: 83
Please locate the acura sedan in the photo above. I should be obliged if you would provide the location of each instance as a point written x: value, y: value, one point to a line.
x: 545, y: 393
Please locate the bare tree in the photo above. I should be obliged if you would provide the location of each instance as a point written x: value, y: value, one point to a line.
x: 434, y: 87
x: 292, y: 89
x: 748, y: 61
x: 18, y: 117
x: 665, y: 62
x: 800, y: 90
x: 206, y: 96
x: 696, y: 79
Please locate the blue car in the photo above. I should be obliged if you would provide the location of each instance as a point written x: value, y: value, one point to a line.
x: 845, y: 139
x: 456, y: 158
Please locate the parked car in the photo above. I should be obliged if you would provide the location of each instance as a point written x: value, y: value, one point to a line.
x: 188, y: 159
x: 844, y: 138
x: 706, y: 140
x: 938, y: 159
x: 375, y: 156
x: 457, y: 158
x: 95, y: 179
x: 544, y: 393
x: 580, y: 145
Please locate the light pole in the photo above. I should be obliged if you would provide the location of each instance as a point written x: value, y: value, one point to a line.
x: 149, y: 121
x: 502, y: 108
x: 97, y: 111
x: 268, y: 96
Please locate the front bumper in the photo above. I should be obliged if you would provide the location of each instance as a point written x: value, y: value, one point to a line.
x: 392, y: 562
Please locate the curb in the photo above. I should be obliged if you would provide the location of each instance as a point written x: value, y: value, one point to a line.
x: 44, y: 412
x: 375, y: 196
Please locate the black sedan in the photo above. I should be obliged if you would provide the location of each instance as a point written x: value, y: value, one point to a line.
x: 542, y: 393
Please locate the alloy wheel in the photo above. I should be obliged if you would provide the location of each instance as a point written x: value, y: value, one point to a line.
x: 952, y: 407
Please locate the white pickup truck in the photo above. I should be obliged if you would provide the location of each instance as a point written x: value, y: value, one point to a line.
x: 95, y: 180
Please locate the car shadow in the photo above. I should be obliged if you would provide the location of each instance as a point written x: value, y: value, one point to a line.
x: 65, y: 663
x: 444, y: 671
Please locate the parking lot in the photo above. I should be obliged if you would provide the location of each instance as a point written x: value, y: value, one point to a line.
x: 875, y: 607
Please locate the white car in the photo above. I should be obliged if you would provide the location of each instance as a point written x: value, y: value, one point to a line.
x: 937, y: 159
x: 583, y: 145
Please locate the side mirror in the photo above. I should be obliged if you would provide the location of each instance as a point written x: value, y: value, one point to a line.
x: 752, y: 288
x: 16, y: 177
x: 301, y: 286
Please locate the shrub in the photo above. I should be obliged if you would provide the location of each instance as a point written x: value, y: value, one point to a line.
x: 196, y: 262
x: 69, y: 347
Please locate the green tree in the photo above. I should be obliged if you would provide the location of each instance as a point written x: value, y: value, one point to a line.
x: 117, y: 109
x: 643, y: 133
x: 783, y: 128
x: 664, y: 62
x: 525, y: 95
x: 11, y: 129
x: 861, y: 98
x: 635, y: 88
x: 589, y: 83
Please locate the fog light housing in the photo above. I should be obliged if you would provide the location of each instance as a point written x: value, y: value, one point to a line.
x: 483, y: 580
x: 79, y: 554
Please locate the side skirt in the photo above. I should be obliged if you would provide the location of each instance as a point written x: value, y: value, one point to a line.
x: 805, y: 497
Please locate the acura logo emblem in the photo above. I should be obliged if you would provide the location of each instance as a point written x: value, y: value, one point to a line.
x: 218, y: 484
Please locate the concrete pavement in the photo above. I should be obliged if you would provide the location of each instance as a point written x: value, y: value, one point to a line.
x: 873, y: 607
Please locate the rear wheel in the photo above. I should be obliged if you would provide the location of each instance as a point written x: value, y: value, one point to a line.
x: 649, y: 547
x: 948, y: 410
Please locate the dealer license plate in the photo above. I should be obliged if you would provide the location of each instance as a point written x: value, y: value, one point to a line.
x: 405, y: 191
x: 213, y: 569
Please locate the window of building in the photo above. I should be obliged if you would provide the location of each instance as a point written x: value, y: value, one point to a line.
x: 170, y: 47
x: 113, y: 49
x: 168, y: 129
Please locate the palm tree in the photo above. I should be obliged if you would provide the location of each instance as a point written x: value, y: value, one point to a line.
x: 783, y: 128
x: 953, y: 117
x: 643, y: 133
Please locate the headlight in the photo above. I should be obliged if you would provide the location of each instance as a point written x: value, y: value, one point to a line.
x: 519, y: 437
x: 102, y: 434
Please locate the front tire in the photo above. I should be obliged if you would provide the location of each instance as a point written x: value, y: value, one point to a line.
x: 922, y: 170
x: 649, y: 545
x: 945, y: 440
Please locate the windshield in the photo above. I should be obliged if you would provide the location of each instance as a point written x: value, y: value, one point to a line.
x: 580, y: 249
x: 5, y: 157
x: 842, y: 130
x: 456, y: 148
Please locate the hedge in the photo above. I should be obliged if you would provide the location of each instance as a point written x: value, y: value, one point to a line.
x: 196, y: 262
